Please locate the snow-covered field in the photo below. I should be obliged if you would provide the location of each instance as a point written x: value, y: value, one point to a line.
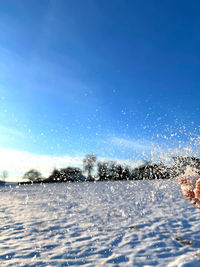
x: 143, y: 223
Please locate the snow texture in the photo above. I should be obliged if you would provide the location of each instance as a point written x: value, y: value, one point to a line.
x: 143, y: 223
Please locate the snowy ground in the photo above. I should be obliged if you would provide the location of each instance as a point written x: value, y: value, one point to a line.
x: 143, y: 223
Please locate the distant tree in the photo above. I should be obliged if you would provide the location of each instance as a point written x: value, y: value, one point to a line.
x: 180, y: 163
x: 120, y: 172
x: 126, y: 175
x: 161, y: 171
x: 69, y: 174
x: 89, y: 163
x: 112, y: 171
x: 116, y: 171
x: 4, y: 175
x: 55, y: 176
x: 103, y: 171
x: 33, y: 176
x: 151, y: 171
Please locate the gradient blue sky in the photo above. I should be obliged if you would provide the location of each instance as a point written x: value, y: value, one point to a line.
x: 98, y: 76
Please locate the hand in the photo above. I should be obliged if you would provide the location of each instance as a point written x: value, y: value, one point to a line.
x: 190, y: 186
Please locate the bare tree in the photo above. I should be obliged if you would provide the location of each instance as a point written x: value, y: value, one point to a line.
x: 4, y: 175
x: 33, y: 176
x: 89, y: 163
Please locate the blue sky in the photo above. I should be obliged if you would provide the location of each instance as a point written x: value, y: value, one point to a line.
x: 99, y: 76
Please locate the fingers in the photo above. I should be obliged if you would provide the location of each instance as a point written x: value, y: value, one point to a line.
x: 192, y: 193
x: 197, y: 190
x: 189, y: 194
x: 182, y: 181
x: 196, y: 203
x: 187, y: 188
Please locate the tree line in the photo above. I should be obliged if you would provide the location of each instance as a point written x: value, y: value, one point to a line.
x: 112, y: 171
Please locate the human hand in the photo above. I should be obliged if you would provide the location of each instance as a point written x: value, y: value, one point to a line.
x: 190, y: 186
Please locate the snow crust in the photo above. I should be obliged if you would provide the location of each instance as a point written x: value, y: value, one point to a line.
x: 139, y: 223
x: 191, y: 176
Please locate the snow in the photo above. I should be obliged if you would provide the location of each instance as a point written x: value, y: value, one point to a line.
x: 191, y: 176
x: 139, y: 223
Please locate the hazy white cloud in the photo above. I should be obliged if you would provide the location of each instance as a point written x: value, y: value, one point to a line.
x: 139, y: 145
x: 145, y: 150
x: 18, y: 162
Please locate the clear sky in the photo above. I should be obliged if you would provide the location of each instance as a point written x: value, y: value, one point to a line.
x: 119, y: 78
